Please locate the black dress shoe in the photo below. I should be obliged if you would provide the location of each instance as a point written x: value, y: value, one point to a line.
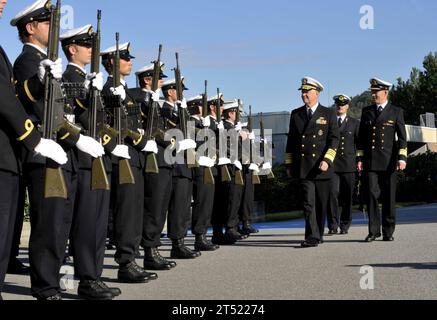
x: 309, y: 244
x: 180, y: 251
x: 55, y: 297
x: 131, y: 273
x: 15, y: 266
x: 371, y: 237
x: 222, y: 240
x: 248, y: 228
x: 154, y: 261
x: 234, y: 234
x: 92, y: 290
x: 202, y: 244
x: 388, y: 239
x: 114, y: 291
x: 343, y: 232
x: 332, y: 232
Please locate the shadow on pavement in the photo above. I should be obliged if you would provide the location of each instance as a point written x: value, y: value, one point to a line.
x: 412, y: 265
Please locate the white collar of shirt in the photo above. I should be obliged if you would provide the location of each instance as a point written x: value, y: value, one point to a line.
x: 36, y: 47
x: 77, y: 66
x: 383, y: 105
x: 146, y: 90
x: 343, y: 117
x: 313, y: 108
x: 227, y: 120
x: 123, y: 83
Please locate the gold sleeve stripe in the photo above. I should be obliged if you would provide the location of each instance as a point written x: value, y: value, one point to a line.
x: 403, y: 152
x: 80, y: 104
x: 29, y: 95
x: 28, y: 125
x: 360, y: 153
x: 65, y: 136
x: 106, y: 139
x: 331, y: 154
x: 137, y: 142
x: 288, y: 158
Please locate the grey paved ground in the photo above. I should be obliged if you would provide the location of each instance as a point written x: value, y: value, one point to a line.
x: 272, y: 266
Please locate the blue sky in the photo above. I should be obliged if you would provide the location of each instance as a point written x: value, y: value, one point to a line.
x: 259, y: 50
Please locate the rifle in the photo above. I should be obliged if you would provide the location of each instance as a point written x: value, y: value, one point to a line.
x: 255, y: 176
x: 225, y: 175
x: 54, y: 100
x: 208, y: 177
x: 183, y: 119
x: 152, y: 163
x: 120, y: 121
x: 99, y: 178
x: 264, y: 145
x: 239, y: 181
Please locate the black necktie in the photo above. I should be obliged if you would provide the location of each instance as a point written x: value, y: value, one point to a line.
x: 310, y: 114
x: 340, y: 122
x: 380, y: 109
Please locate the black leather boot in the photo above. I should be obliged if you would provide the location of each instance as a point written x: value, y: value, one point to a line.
x: 180, y: 251
x: 202, y: 244
x: 114, y: 291
x: 154, y: 261
x: 131, y: 273
x: 232, y: 233
x: 248, y: 228
x: 92, y: 290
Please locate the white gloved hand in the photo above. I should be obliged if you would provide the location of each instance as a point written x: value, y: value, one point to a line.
x: 95, y: 79
x: 151, y: 146
x: 183, y: 103
x: 141, y: 131
x: 264, y: 140
x: 252, y: 136
x: 50, y: 149
x: 206, y: 162
x: 223, y: 161
x: 155, y: 95
x: 55, y: 69
x: 220, y: 126
x: 206, y: 122
x: 267, y: 166
x: 238, y: 165
x: 185, y: 145
x: 238, y: 126
x: 90, y: 146
x: 254, y: 167
x: 121, y: 151
x: 119, y: 91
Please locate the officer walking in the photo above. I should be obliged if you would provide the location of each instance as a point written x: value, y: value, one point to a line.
x: 311, y: 150
x: 382, y: 146
x: 345, y: 167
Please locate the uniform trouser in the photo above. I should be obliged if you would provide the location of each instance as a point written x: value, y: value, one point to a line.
x: 381, y: 184
x: 179, y: 212
x: 218, y: 218
x: 233, y: 205
x: 19, y: 219
x: 315, y: 203
x: 246, y: 207
x: 9, y: 185
x: 342, y: 191
x: 158, y: 190
x: 88, y: 233
x: 110, y: 235
x: 128, y: 217
x: 203, y: 195
x: 50, y: 221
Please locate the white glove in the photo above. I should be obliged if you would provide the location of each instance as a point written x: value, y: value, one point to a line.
x: 119, y: 91
x: 267, y: 166
x: 155, y: 95
x: 264, y: 140
x: 90, y: 146
x: 50, y: 149
x: 220, y: 126
x: 141, y: 131
x: 223, y: 161
x: 121, y: 151
x: 54, y: 67
x: 95, y: 79
x: 206, y: 162
x: 185, y: 145
x: 238, y: 165
x: 206, y: 122
x: 254, y: 167
x: 183, y: 103
x: 238, y: 126
x: 151, y: 146
x: 252, y: 136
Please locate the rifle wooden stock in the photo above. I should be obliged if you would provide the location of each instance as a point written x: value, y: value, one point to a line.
x: 239, y: 181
